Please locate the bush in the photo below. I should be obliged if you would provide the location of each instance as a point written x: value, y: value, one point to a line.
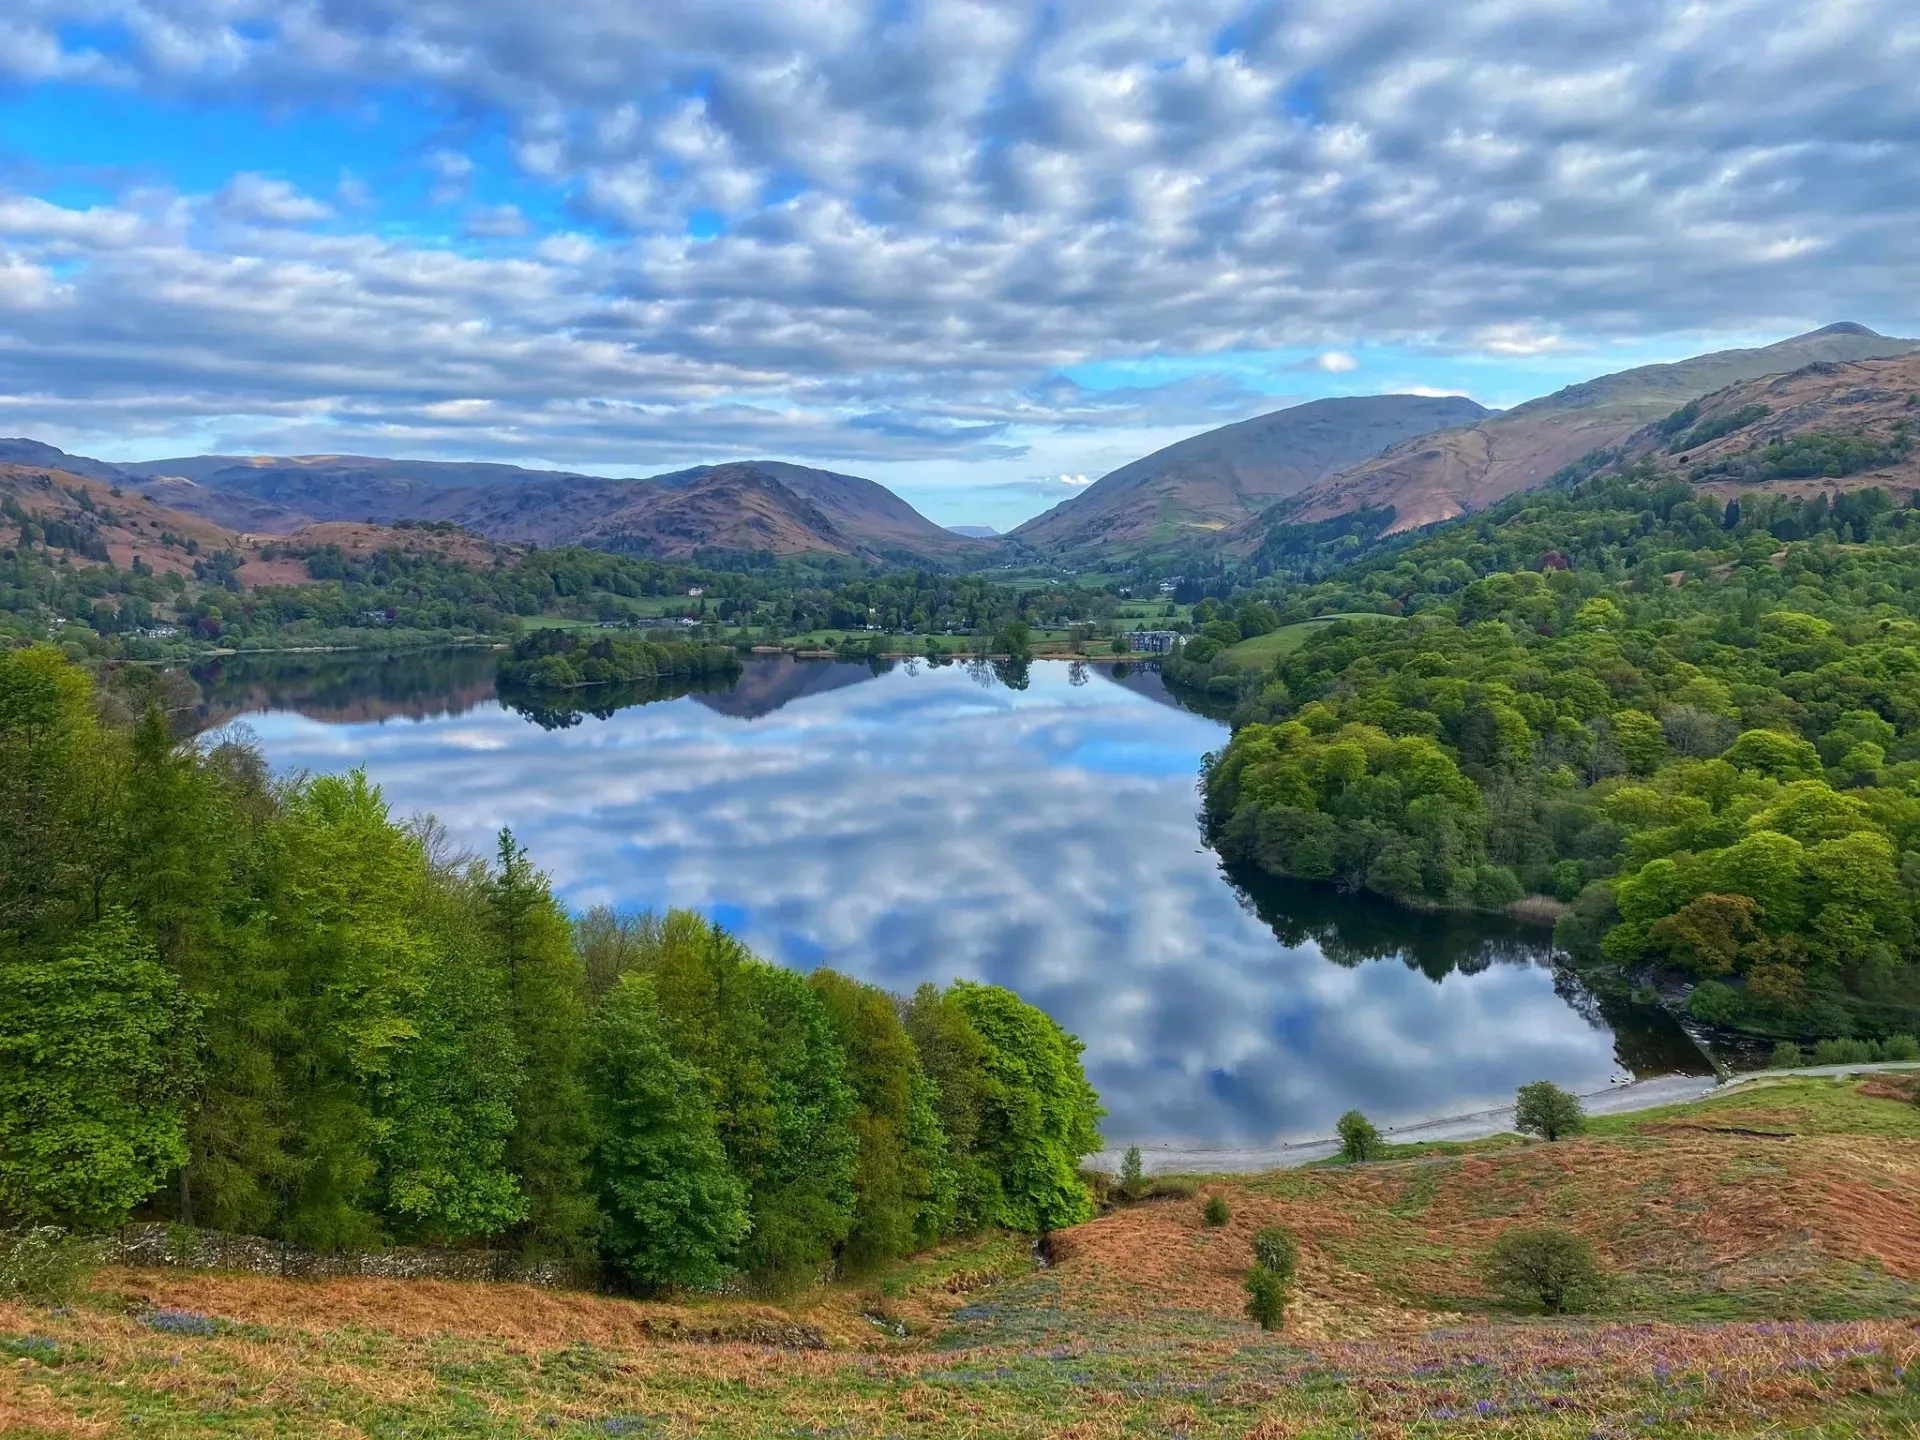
x: 1544, y: 1266
x: 44, y: 1264
x: 1900, y: 1047
x: 1132, y: 1177
x: 1544, y: 1109
x: 1274, y: 1249
x: 1266, y: 1298
x: 1216, y: 1212
x: 1787, y: 1056
x: 1715, y: 1003
x: 1843, y: 1052
x: 1358, y: 1139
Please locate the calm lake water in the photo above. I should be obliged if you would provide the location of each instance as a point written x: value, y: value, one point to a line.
x: 921, y: 823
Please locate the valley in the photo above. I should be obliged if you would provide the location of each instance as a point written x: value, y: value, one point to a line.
x: 778, y: 924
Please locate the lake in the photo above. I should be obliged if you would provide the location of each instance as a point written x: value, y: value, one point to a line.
x: 909, y: 823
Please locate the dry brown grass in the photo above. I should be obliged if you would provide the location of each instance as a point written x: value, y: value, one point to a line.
x: 526, y: 1314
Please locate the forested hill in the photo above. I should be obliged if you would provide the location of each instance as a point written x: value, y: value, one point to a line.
x: 1696, y: 721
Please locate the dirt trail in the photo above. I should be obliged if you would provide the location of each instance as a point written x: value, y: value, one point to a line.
x: 1173, y: 1158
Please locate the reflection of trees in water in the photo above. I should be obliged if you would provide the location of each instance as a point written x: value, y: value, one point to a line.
x: 346, y: 685
x: 1352, y: 930
x: 563, y: 709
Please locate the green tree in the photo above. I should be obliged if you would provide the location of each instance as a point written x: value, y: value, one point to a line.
x: 447, y: 1106
x: 1544, y: 1266
x: 1014, y: 640
x: 547, y: 1000
x: 955, y: 1057
x: 1132, y: 1180
x: 899, y: 1157
x: 1542, y: 1108
x: 353, y: 961
x: 674, y: 1213
x: 91, y: 1079
x: 1039, y: 1115
x: 1359, y: 1141
x: 777, y: 1077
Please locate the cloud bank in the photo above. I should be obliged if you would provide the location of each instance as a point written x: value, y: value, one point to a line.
x: 625, y: 236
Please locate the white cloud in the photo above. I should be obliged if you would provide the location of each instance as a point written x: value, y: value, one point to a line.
x: 261, y: 199
x: 924, y: 214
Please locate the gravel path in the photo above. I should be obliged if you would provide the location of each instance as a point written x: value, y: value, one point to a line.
x: 1176, y: 1159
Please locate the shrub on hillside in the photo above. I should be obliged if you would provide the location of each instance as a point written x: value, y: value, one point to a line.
x: 1544, y: 1109
x: 1358, y: 1139
x: 1132, y: 1177
x: 1216, y: 1212
x: 1844, y: 1052
x: 1274, y: 1249
x: 1544, y: 1266
x: 1787, y: 1056
x: 44, y: 1264
x: 1266, y: 1298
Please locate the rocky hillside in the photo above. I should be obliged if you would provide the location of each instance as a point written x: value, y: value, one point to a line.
x: 1826, y: 427
x: 99, y: 520
x: 752, y: 505
x: 1217, y: 480
x: 1453, y: 472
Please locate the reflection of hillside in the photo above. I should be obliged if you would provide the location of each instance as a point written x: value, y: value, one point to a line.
x: 1351, y: 929
x: 563, y: 709
x: 771, y: 681
x: 1142, y: 677
x: 346, y: 686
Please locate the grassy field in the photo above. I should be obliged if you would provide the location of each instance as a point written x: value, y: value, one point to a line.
x: 1261, y: 651
x: 1763, y: 1249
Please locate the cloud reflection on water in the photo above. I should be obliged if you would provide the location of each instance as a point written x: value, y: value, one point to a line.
x: 921, y: 826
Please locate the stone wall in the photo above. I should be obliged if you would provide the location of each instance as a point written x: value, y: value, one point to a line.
x: 182, y: 1245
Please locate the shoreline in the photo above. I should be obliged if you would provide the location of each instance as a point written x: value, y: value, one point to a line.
x: 1174, y: 1158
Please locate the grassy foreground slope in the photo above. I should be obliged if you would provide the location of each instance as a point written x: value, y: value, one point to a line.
x: 1764, y: 1246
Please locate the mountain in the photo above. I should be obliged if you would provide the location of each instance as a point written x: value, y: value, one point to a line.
x: 1825, y: 427
x: 34, y: 454
x: 865, y: 512
x: 1438, y: 476
x: 1213, y: 481
x: 975, y: 532
x: 747, y: 505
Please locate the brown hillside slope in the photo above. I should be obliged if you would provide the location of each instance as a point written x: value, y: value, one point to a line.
x: 785, y: 508
x: 1871, y: 401
x: 1763, y: 1249
x: 128, y: 525
x: 1437, y: 477
x: 1211, y: 481
x: 729, y: 507
x: 116, y: 527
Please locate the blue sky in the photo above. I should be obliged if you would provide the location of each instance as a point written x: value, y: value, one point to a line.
x: 980, y: 251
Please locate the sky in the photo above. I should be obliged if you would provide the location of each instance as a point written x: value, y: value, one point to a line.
x: 981, y: 252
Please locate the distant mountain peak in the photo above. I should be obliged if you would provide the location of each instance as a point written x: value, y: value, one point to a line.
x: 1844, y: 327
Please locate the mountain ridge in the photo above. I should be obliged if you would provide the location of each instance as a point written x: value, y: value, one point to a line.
x: 1453, y: 472
x: 1217, y: 479
x: 754, y: 505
